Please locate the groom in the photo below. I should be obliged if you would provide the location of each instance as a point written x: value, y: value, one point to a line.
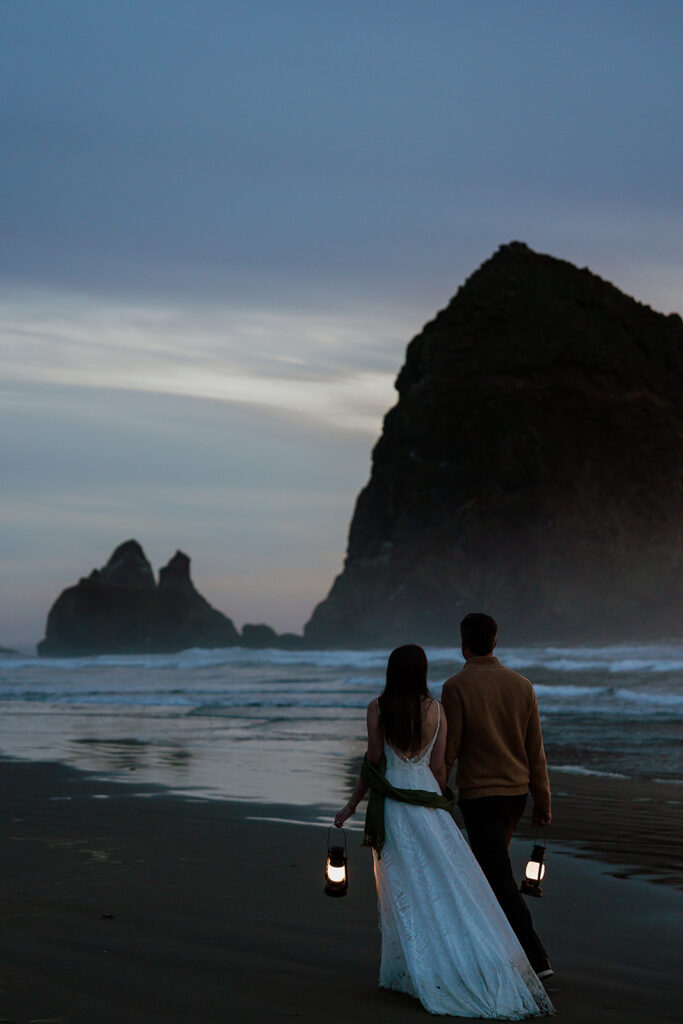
x: 494, y: 734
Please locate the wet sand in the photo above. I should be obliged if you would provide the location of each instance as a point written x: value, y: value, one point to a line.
x: 119, y: 907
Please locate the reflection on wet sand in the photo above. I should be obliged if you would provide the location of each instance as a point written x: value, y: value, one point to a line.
x: 278, y: 757
x: 310, y: 758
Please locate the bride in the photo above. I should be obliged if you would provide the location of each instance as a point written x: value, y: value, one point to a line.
x: 445, y: 939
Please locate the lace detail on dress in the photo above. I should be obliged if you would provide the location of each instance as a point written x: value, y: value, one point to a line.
x: 445, y: 939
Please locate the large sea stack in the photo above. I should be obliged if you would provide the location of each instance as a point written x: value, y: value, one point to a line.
x: 121, y: 609
x: 532, y: 468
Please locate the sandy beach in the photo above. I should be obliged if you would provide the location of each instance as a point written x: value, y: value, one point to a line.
x: 120, y: 906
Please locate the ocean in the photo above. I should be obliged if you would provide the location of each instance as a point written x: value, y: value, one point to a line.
x: 288, y: 726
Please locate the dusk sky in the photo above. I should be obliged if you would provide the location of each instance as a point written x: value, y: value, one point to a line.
x: 222, y: 223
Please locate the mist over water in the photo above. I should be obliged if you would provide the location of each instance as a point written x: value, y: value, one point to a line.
x: 283, y: 725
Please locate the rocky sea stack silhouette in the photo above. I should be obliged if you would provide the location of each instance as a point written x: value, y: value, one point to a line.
x: 532, y: 468
x: 121, y: 609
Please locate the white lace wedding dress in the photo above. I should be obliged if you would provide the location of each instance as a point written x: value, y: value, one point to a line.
x: 445, y: 939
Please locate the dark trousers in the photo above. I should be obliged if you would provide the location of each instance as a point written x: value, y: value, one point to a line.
x: 490, y: 822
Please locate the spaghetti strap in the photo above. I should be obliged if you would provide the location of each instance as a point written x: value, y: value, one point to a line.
x: 438, y: 726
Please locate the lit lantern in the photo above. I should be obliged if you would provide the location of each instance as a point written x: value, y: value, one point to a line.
x: 336, y: 868
x: 534, y: 873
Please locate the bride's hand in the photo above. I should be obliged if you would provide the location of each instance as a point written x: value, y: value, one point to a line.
x: 341, y: 816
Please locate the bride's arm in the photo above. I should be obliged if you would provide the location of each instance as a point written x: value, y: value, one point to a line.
x: 375, y: 751
x: 437, y: 761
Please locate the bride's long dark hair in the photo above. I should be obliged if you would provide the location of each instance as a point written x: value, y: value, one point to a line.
x: 400, y: 704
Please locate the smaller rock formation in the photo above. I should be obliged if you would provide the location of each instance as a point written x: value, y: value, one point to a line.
x: 260, y: 635
x: 121, y: 609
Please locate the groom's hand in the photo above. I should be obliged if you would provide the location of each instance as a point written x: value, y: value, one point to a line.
x: 539, y: 819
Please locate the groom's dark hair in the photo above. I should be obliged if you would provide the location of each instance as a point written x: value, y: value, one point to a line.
x: 478, y: 632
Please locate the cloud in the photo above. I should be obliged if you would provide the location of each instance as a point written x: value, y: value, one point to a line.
x: 338, y: 370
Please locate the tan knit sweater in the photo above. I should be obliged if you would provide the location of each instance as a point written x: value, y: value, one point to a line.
x: 494, y: 733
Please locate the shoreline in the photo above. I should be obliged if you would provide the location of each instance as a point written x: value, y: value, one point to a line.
x: 632, y: 826
x: 291, y: 641
x: 121, y: 906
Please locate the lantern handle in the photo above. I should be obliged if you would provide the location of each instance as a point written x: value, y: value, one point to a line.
x: 336, y: 830
x: 545, y: 837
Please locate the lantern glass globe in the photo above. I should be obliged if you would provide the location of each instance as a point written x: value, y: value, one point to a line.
x: 535, y: 872
x: 335, y: 873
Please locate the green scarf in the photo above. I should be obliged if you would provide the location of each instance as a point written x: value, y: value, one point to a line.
x: 374, y: 777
